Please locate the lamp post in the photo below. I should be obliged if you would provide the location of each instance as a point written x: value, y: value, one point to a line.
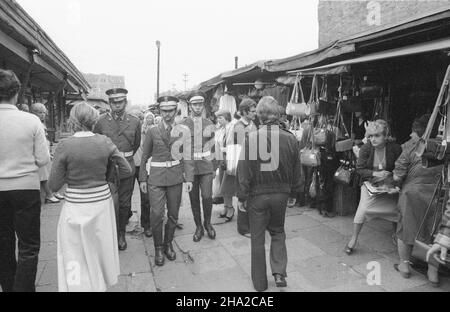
x: 158, y: 45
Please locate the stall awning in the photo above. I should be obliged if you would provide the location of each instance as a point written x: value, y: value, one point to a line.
x: 431, y: 46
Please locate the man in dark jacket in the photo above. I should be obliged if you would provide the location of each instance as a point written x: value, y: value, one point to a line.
x: 268, y: 174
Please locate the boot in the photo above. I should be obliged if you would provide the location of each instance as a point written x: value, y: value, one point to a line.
x: 159, y: 256
x: 210, y: 230
x: 169, y: 252
x: 122, y: 241
x: 199, y: 233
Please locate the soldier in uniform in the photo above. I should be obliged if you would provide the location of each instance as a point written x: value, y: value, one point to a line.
x: 169, y: 168
x: 202, y: 133
x: 125, y: 132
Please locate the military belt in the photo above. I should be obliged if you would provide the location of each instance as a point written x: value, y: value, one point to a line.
x: 127, y: 154
x: 167, y: 164
x: 202, y: 155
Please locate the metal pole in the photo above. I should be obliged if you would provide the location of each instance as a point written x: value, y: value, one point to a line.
x: 158, y: 45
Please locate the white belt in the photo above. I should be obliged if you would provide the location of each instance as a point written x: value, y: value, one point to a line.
x: 167, y: 164
x: 202, y: 155
x: 128, y: 154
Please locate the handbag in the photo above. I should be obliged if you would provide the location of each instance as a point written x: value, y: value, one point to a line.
x: 352, y: 103
x: 297, y: 105
x: 313, y: 191
x: 321, y: 133
x: 310, y: 156
x: 344, y: 143
x: 296, y: 129
x: 325, y: 107
x: 428, y: 230
x: 232, y: 158
x: 344, y: 174
x: 313, y: 99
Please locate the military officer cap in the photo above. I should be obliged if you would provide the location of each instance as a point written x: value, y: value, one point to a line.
x: 117, y: 94
x: 168, y: 103
x: 197, y: 97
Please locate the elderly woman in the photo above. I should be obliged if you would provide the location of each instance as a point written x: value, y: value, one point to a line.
x: 418, y: 185
x: 227, y: 185
x: 87, y: 250
x: 375, y: 164
x: 40, y: 111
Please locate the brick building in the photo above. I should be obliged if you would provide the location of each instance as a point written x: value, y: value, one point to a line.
x: 341, y: 18
x: 101, y: 83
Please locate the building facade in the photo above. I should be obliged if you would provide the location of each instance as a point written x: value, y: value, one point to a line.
x: 341, y: 18
x: 101, y: 83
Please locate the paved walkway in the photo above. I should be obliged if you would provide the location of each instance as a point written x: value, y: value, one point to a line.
x: 315, y: 251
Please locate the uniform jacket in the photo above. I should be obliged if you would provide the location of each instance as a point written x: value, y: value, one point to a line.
x: 364, y: 166
x: 125, y: 133
x: 159, y: 146
x: 285, y: 176
x: 201, y: 143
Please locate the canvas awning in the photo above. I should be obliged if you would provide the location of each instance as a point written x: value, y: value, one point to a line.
x: 425, y: 47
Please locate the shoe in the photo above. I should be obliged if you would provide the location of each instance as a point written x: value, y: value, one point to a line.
x: 280, y: 281
x: 210, y: 230
x: 199, y: 233
x: 291, y: 203
x: 229, y: 218
x: 327, y: 214
x: 402, y: 273
x: 349, y: 250
x: 169, y: 252
x: 52, y: 200
x: 180, y: 226
x: 159, y: 256
x: 223, y: 215
x: 59, y: 196
x: 148, y: 233
x: 122, y: 241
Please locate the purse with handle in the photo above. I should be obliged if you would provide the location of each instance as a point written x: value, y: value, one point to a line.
x: 297, y: 106
x: 310, y: 155
x: 345, y: 142
x: 325, y: 106
x: 314, y: 98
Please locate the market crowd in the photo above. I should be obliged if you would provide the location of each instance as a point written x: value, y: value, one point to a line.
x: 97, y: 167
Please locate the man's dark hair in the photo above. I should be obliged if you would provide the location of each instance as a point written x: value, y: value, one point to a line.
x: 9, y: 85
x: 245, y: 105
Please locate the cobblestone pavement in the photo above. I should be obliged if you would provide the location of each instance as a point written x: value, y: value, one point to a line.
x: 315, y: 244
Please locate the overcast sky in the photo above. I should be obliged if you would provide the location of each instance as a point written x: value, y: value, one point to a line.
x: 198, y: 37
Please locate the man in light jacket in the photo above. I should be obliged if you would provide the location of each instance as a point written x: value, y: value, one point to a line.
x: 23, y: 151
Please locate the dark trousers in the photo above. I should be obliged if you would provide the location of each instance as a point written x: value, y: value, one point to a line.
x: 126, y: 189
x: 203, y: 184
x: 159, y: 197
x: 20, y: 213
x: 267, y: 212
x: 145, y: 205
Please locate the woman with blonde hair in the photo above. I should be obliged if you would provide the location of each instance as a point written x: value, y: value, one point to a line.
x: 375, y: 164
x: 88, y: 258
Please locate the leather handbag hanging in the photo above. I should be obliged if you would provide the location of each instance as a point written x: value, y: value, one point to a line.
x: 325, y: 106
x: 321, y: 133
x: 296, y: 128
x: 352, y: 103
x: 345, y: 142
x: 344, y: 174
x: 314, y: 98
x: 297, y: 105
x: 310, y: 155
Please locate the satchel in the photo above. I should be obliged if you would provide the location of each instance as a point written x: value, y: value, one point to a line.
x: 297, y: 105
x: 346, y: 143
x: 325, y: 107
x: 344, y: 175
x: 313, y: 99
x: 296, y: 129
x: 310, y: 156
x: 321, y: 134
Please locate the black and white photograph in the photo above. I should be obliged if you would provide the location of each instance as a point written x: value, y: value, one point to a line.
x: 205, y: 148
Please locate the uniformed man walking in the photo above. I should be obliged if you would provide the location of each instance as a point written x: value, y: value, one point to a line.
x: 125, y: 132
x: 170, y: 166
x: 202, y: 132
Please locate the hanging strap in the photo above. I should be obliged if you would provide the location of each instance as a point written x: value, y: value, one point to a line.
x: 300, y: 90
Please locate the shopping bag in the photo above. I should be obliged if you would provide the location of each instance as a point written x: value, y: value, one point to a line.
x: 232, y: 158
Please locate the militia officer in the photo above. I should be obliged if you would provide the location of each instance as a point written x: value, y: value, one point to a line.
x: 202, y: 134
x: 169, y: 168
x: 125, y: 132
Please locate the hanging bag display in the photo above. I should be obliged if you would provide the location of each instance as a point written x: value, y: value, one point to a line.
x: 313, y: 99
x: 296, y: 128
x: 297, y: 106
x: 325, y: 106
x: 310, y: 156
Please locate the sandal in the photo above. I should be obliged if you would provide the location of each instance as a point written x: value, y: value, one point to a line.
x: 229, y: 219
x: 52, y: 200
